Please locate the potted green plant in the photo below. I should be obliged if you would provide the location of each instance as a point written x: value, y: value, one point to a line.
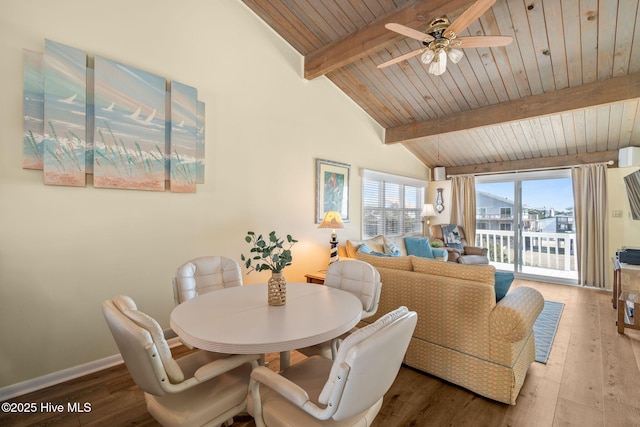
x: 272, y: 254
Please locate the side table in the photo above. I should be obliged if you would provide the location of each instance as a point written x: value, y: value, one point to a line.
x: 317, y: 278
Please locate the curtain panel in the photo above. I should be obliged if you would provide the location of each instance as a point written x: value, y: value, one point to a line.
x: 590, y: 197
x: 463, y: 205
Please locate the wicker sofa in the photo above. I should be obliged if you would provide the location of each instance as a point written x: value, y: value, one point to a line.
x: 463, y: 336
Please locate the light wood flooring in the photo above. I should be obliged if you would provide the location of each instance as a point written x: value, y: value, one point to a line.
x: 592, y: 378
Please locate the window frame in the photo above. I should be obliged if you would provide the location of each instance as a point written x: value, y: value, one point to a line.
x: 382, y: 179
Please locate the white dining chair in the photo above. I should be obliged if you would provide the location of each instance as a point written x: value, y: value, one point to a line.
x: 358, y: 278
x: 200, y: 388
x: 205, y: 274
x: 347, y: 391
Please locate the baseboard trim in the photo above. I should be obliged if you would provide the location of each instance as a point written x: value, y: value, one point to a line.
x: 38, y: 383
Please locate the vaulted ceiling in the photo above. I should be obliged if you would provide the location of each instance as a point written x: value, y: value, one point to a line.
x: 564, y: 92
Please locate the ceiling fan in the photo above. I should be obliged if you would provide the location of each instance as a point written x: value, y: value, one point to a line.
x: 441, y: 39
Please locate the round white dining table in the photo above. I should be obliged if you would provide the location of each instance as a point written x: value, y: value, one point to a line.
x: 239, y: 320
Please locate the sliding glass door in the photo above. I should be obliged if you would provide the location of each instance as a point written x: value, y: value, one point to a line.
x: 527, y: 222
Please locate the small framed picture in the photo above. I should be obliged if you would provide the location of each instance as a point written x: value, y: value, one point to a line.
x: 332, y: 189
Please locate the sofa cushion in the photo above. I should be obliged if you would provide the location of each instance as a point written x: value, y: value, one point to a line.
x: 503, y: 280
x: 396, y: 262
x: 473, y: 259
x: 375, y: 244
x: 476, y: 273
x: 418, y: 246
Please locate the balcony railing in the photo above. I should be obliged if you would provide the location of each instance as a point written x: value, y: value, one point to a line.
x: 547, y: 251
x: 487, y: 216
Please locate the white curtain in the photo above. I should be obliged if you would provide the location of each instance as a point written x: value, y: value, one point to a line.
x: 463, y: 205
x: 590, y: 196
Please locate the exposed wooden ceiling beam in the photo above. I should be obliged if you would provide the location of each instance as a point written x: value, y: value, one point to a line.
x: 375, y: 36
x: 617, y: 89
x: 533, y: 164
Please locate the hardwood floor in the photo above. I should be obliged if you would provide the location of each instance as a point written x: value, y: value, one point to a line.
x: 592, y: 378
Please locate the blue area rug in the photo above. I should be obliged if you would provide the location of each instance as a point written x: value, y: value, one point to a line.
x: 545, y: 328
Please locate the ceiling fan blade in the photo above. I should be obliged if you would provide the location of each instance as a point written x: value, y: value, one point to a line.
x: 409, y: 32
x: 402, y: 57
x: 468, y: 16
x: 481, y: 41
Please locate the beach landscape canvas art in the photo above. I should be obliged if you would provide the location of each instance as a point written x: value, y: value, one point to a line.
x: 33, y: 109
x: 121, y: 124
x: 129, y: 138
x: 184, y: 154
x: 65, y: 112
x: 200, y: 142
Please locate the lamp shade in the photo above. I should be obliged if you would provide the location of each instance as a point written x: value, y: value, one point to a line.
x: 332, y: 219
x: 428, y: 210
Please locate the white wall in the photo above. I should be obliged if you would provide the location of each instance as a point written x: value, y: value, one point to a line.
x: 64, y: 250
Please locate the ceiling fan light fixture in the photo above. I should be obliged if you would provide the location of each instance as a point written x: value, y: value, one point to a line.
x: 455, y: 55
x: 427, y: 56
x: 442, y: 37
x: 439, y: 64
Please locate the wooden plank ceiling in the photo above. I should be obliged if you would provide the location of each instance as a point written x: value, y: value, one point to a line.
x: 564, y: 92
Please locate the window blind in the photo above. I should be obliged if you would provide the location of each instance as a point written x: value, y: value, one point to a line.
x: 391, y: 204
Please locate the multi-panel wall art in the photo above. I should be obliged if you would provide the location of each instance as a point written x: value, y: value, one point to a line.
x: 117, y: 122
x: 33, y: 110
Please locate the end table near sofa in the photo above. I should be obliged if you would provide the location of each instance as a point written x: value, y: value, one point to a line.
x: 317, y: 278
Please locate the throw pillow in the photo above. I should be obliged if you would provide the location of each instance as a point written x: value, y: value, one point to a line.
x: 375, y: 244
x: 352, y: 247
x: 503, y: 280
x: 376, y: 253
x: 418, y: 246
x: 364, y: 249
x: 399, y: 241
x: 451, y: 236
x: 391, y: 248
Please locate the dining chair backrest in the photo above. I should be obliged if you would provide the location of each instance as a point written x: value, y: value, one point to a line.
x: 374, y: 355
x: 205, y: 274
x: 347, y: 391
x: 358, y: 278
x: 135, y: 334
x: 200, y: 388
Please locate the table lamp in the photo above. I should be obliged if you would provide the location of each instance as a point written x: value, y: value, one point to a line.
x: 332, y: 220
x: 427, y: 211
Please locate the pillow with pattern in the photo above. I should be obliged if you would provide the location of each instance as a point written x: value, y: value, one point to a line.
x: 391, y: 248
